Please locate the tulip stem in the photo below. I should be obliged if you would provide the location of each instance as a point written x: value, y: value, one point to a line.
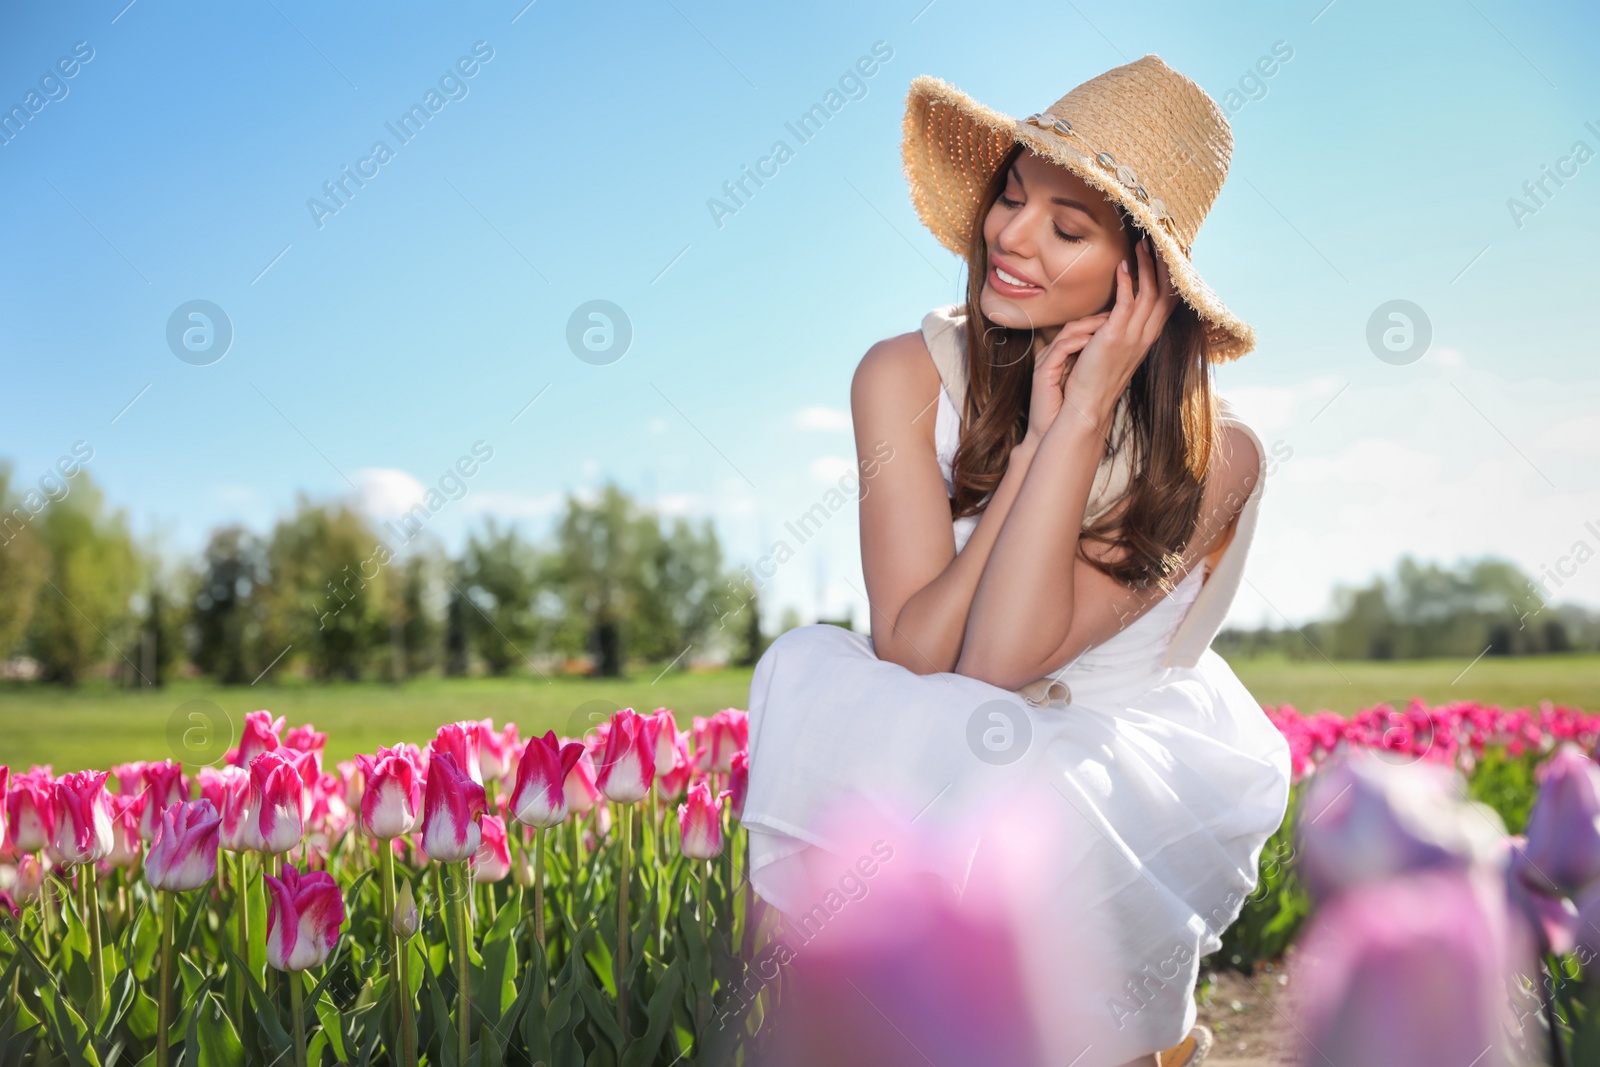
x: 241, y: 903
x: 297, y: 1007
x: 89, y: 905
x: 538, y: 885
x: 408, y: 1039
x: 390, y: 939
x: 463, y: 973
x: 169, y: 919
x: 622, y: 925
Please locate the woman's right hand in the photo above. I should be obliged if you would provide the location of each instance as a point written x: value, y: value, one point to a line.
x: 1050, y: 371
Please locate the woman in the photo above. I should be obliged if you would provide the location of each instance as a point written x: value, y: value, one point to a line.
x: 1041, y: 623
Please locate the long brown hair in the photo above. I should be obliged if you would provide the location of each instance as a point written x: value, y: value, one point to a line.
x: 1174, y: 422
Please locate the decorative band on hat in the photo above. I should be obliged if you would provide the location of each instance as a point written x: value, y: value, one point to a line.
x: 1056, y: 124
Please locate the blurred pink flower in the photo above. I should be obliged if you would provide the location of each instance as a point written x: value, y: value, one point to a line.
x: 241, y: 827
x: 460, y: 740
x: 164, y: 784
x: 303, y: 918
x: 1409, y: 972
x: 1563, y: 851
x: 666, y: 734
x: 126, y: 841
x: 581, y: 790
x: 260, y: 735
x: 304, y: 738
x: 672, y: 785
x: 30, y: 810
x: 716, y: 739
x: 495, y: 750
x: 492, y: 861
x: 183, y: 855
x: 739, y: 781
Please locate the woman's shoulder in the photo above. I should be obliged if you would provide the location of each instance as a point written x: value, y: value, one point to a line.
x: 898, y: 368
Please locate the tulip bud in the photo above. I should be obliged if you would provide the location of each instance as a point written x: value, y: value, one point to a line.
x: 539, y: 798
x: 523, y: 872
x: 31, y: 873
x: 406, y: 919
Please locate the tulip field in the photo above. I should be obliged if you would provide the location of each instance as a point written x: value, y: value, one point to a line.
x: 488, y: 899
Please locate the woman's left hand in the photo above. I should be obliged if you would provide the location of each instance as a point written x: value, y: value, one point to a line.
x: 1104, y: 367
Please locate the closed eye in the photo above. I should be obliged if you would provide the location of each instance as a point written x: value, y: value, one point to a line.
x: 1067, y: 237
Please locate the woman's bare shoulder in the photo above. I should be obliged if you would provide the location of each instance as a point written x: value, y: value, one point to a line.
x: 895, y: 377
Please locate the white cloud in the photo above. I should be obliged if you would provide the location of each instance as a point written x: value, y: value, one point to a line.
x: 386, y: 492
x: 830, y: 469
x: 822, y: 418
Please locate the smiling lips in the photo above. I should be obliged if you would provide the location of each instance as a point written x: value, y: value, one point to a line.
x: 1008, y: 283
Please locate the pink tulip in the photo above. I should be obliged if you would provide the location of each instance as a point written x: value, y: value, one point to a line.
x: 1362, y: 819
x: 31, y: 873
x: 303, y: 918
x: 1408, y: 972
x: 305, y: 739
x: 451, y: 810
x: 212, y: 783
x: 716, y: 739
x: 700, y: 823
x: 739, y: 781
x: 240, y: 808
x: 492, y: 861
x: 540, y: 795
x: 5, y: 778
x: 278, y: 799
x: 628, y: 765
x: 183, y: 855
x: 1563, y: 853
x: 30, y: 810
x: 460, y: 740
x: 666, y: 737
x: 129, y: 777
x: 260, y: 735
x: 581, y: 791
x: 494, y: 749
x: 82, y: 818
x: 164, y: 785
x: 672, y: 784
x: 126, y: 841
x: 392, y: 795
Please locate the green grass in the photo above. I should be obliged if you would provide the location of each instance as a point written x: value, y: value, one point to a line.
x: 97, y: 727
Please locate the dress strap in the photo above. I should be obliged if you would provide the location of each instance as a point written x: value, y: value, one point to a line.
x: 1205, y: 616
x: 944, y: 330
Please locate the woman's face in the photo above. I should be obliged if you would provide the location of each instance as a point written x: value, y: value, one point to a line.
x: 1057, y: 234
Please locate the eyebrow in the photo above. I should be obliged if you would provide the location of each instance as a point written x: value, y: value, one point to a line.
x: 1064, y: 201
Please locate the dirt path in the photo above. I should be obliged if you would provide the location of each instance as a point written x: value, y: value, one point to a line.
x: 1249, y: 1016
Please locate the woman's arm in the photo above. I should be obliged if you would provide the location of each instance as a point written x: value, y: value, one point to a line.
x: 919, y: 587
x: 1024, y: 608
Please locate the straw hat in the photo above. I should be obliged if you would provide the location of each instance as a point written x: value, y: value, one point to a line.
x: 1141, y: 133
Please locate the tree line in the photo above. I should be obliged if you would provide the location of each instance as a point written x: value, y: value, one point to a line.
x: 1486, y: 606
x: 323, y: 594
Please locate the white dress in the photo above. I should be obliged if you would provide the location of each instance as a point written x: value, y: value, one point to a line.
x: 1138, y: 806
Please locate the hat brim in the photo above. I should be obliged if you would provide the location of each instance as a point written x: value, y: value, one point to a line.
x: 951, y: 144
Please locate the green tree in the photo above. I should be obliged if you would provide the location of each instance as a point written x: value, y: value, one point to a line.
x: 23, y: 566
x: 499, y: 572
x: 92, y: 574
x: 328, y: 573
x: 228, y: 606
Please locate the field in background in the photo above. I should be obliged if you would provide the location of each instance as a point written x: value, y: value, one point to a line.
x: 97, y: 727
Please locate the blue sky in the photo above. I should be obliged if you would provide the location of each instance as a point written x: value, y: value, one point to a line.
x: 372, y: 347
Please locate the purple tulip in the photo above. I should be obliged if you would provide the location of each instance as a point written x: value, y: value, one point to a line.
x: 1563, y: 855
